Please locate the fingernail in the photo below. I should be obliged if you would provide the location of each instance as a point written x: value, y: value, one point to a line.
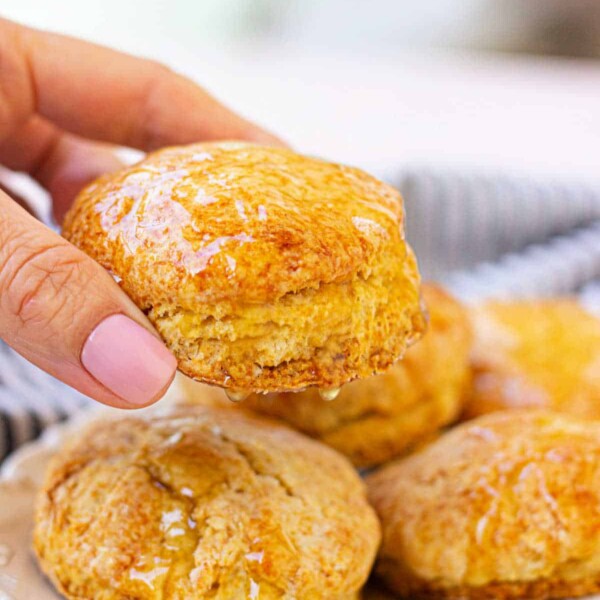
x: 128, y: 360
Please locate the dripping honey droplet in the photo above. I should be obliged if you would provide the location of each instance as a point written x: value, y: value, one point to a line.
x: 237, y: 395
x: 329, y: 394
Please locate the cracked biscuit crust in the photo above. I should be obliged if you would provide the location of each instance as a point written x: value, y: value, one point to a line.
x: 262, y: 269
x: 203, y: 503
x: 504, y: 506
x: 375, y: 419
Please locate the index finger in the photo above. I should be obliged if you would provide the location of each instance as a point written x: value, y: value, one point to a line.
x: 105, y: 95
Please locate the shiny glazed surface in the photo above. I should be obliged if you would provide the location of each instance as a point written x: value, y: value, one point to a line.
x: 235, y: 221
x: 504, y: 506
x: 262, y: 269
x: 543, y: 353
x: 197, y: 503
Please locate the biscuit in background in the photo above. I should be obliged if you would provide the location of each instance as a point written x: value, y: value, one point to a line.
x: 538, y: 353
x: 197, y: 502
x: 504, y: 506
x: 262, y: 269
x: 376, y: 419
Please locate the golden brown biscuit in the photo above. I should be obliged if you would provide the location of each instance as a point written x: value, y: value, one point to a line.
x: 375, y: 419
x: 543, y: 353
x: 200, y: 502
x: 505, y: 506
x: 262, y: 269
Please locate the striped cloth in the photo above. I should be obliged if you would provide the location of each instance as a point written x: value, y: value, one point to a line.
x: 30, y: 400
x: 482, y: 236
x: 497, y: 236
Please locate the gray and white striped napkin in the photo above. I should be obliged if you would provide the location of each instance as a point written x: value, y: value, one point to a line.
x: 489, y: 236
x: 482, y: 236
x: 30, y: 400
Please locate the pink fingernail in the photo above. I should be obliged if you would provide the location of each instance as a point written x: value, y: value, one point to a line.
x: 128, y: 360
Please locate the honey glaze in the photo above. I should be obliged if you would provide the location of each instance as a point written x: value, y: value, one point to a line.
x: 189, y: 207
x: 254, y: 591
x: 542, y: 353
x: 148, y: 577
x: 329, y: 394
x: 237, y: 395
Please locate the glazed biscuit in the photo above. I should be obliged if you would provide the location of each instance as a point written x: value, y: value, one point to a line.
x: 543, y: 353
x: 504, y: 506
x: 262, y: 269
x: 198, y: 502
x: 378, y: 418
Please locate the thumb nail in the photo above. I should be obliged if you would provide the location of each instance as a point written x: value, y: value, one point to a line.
x: 128, y: 360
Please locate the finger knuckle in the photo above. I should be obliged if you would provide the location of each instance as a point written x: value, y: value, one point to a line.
x: 16, y: 100
x: 158, y: 70
x: 161, y: 81
x: 39, y: 285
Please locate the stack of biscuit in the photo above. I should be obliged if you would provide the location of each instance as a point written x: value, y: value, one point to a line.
x: 286, y: 282
x: 376, y: 419
x: 507, y: 504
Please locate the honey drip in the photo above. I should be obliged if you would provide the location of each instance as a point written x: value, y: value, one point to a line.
x: 329, y: 394
x: 237, y: 395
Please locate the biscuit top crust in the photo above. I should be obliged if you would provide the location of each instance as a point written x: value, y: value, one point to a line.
x: 543, y: 353
x: 235, y: 221
x: 511, y: 496
x: 194, y: 502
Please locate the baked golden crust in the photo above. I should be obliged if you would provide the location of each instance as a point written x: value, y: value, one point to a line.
x: 378, y: 418
x: 504, y: 506
x: 262, y: 269
x: 199, y: 502
x: 543, y: 353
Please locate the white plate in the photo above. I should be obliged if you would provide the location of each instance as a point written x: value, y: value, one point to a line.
x: 20, y: 579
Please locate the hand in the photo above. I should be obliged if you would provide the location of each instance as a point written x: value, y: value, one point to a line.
x: 62, y: 102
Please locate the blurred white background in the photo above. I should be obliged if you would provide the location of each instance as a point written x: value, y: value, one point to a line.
x: 483, y: 84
